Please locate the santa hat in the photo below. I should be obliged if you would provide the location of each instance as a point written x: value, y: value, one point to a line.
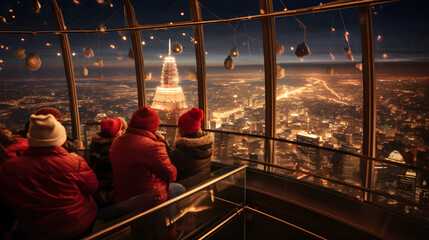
x: 145, y: 118
x: 50, y: 110
x: 190, y: 121
x: 45, y: 131
x: 111, y: 126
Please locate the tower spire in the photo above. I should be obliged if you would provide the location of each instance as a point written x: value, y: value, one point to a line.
x: 169, y: 47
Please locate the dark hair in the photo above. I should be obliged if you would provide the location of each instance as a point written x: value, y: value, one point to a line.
x: 5, y: 141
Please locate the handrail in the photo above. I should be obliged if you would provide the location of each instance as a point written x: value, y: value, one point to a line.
x: 164, y: 204
x: 426, y: 170
x: 340, y: 4
x: 404, y: 165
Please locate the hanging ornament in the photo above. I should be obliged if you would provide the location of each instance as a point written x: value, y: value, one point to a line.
x: 102, y: 28
x: 99, y: 63
x: 229, y: 63
x: 119, y: 56
x: 36, y: 6
x: 280, y: 72
x: 85, y: 71
x: 3, y: 20
x: 348, y: 52
x: 330, y: 70
x: 302, y: 50
x: 280, y: 49
x: 332, y: 55
x: 100, y: 1
x: 177, y: 48
x: 358, y: 66
x: 88, y: 53
x: 131, y: 54
x: 192, y: 75
x: 234, y: 52
x: 33, y: 62
x: 19, y: 52
x: 148, y: 75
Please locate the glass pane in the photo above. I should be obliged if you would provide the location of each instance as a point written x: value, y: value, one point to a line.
x: 235, y: 149
x: 223, y: 9
x: 319, y: 166
x: 319, y: 87
x: 91, y: 15
x: 402, y: 189
x: 164, y: 11
x: 25, y: 88
x: 402, y: 103
x: 195, y: 214
x: 20, y: 16
x: 283, y: 5
x: 105, y: 78
x: 236, y: 97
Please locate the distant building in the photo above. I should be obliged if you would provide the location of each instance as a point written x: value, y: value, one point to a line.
x: 169, y: 100
x: 309, y: 158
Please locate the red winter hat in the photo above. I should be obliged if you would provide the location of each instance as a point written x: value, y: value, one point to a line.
x: 145, y: 118
x: 190, y: 121
x: 111, y: 126
x: 50, y: 110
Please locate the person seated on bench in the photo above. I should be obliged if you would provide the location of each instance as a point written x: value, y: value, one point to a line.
x: 192, y: 150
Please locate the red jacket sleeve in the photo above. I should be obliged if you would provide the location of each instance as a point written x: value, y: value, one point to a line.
x: 161, y: 164
x: 87, y: 181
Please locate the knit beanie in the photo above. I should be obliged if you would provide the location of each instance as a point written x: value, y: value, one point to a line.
x: 145, y: 118
x: 111, y: 126
x: 50, y: 110
x: 190, y: 121
x: 45, y: 131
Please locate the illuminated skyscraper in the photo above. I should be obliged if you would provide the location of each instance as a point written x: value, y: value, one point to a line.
x: 169, y: 100
x: 309, y: 157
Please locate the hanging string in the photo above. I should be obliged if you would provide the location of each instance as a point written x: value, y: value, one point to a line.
x: 346, y: 33
x: 330, y: 39
x: 32, y: 13
x: 299, y: 22
x: 114, y: 14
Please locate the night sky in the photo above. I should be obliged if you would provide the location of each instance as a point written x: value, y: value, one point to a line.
x: 402, y: 29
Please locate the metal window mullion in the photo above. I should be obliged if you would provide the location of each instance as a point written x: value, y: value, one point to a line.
x: 137, y: 52
x: 69, y: 71
x: 200, y: 59
x: 369, y: 103
x: 269, y: 39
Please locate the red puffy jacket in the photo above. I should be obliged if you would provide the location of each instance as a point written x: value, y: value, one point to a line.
x: 49, y: 191
x: 141, y: 165
x: 17, y: 148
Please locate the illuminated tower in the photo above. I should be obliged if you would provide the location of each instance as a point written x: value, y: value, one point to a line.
x: 169, y: 100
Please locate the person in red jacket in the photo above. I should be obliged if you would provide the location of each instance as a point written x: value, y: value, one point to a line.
x: 11, y: 146
x: 48, y: 189
x: 140, y: 162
